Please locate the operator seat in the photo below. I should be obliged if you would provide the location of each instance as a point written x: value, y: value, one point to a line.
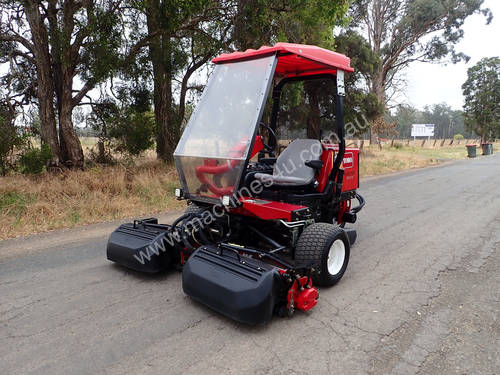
x: 290, y: 168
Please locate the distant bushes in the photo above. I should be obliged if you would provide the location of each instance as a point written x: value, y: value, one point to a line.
x: 34, y: 160
x: 126, y: 127
x: 133, y: 133
x: 16, y: 151
x: 458, y: 137
x: 10, y: 139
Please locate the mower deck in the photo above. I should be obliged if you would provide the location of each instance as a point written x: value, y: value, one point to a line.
x: 240, y: 287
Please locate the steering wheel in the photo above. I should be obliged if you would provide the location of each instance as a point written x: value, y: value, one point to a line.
x: 272, y: 138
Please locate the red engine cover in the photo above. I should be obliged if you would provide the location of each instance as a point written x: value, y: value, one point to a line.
x: 350, y: 165
x: 351, y: 169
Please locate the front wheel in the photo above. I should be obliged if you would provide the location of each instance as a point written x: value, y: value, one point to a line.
x: 327, y: 247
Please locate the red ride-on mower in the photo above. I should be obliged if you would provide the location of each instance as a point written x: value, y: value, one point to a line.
x: 260, y: 232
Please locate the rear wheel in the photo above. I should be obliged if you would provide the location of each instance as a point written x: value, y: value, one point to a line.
x: 327, y: 247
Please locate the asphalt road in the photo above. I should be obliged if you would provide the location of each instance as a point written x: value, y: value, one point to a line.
x: 421, y: 296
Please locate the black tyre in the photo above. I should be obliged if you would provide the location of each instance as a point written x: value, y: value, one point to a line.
x: 193, y: 208
x: 326, y: 246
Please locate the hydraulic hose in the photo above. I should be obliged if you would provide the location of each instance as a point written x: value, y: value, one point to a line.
x: 183, y: 228
x: 361, y: 201
x: 184, y: 237
x: 178, y: 220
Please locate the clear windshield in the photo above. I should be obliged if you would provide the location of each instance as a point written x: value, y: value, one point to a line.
x: 212, y: 150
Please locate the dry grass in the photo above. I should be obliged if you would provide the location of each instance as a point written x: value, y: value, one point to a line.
x: 391, y: 159
x: 88, y: 143
x: 46, y: 202
x: 374, y: 162
x: 31, y: 204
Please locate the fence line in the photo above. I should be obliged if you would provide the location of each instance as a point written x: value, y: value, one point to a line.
x: 438, y: 142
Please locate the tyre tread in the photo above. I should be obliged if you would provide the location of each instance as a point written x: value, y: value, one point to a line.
x: 193, y: 208
x: 311, y: 245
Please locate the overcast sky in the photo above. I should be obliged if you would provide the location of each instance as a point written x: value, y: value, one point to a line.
x: 433, y: 83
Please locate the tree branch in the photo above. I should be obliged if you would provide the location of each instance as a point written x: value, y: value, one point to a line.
x: 19, y: 39
x: 136, y: 48
x: 24, y: 55
x: 81, y: 94
x: 184, y: 85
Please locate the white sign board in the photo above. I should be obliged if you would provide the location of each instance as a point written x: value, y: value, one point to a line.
x: 422, y: 130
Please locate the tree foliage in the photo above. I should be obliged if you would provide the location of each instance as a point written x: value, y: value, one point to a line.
x: 448, y: 122
x: 125, y: 125
x: 482, y: 97
x: 133, y: 132
x: 60, y: 40
x: 146, y: 55
x: 176, y: 38
x: 34, y: 160
x: 265, y: 22
x: 361, y: 105
x: 404, y: 31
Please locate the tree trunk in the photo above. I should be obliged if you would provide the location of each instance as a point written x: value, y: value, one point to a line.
x: 167, y: 128
x: 63, y: 66
x: 45, y: 89
x: 314, y: 117
x: 160, y: 52
x: 71, y: 148
x: 55, y: 75
x: 378, y: 87
x: 164, y: 144
x: 101, y: 151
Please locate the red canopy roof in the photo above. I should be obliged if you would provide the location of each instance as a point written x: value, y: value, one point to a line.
x: 294, y: 59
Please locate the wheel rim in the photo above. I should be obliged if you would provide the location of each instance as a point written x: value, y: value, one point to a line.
x: 336, y: 257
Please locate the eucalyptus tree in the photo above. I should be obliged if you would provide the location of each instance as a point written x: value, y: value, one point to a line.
x: 361, y: 105
x: 482, y: 97
x: 405, y: 31
x: 73, y: 45
x: 170, y: 42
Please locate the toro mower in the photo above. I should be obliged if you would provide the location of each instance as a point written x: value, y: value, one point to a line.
x: 265, y: 224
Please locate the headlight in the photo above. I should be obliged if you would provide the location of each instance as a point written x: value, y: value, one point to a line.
x: 178, y: 193
x: 226, y: 200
